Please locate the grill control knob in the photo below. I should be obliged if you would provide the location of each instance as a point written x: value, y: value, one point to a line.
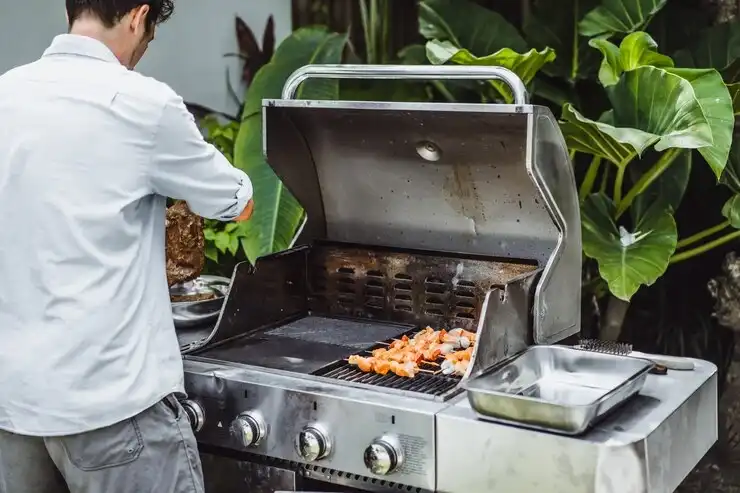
x: 249, y: 428
x: 313, y: 443
x: 194, y: 413
x: 384, y: 455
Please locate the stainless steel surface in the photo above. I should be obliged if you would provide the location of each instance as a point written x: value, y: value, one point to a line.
x: 266, y: 323
x: 384, y: 455
x: 448, y: 215
x: 228, y: 475
x: 556, y: 388
x: 654, y: 440
x: 353, y: 418
x: 313, y: 443
x: 625, y: 349
x: 503, y: 186
x: 249, y: 428
x: 408, y: 72
x: 649, y: 446
x: 188, y: 314
x: 195, y: 414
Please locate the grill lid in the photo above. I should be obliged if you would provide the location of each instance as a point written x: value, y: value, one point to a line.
x: 477, y: 179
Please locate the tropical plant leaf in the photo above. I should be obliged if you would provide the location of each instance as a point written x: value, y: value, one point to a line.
x: 716, y: 104
x: 468, y: 25
x: 666, y: 192
x: 619, y: 16
x: 611, y: 65
x: 554, y: 24
x: 277, y: 214
x: 663, y: 104
x: 524, y: 65
x: 734, y: 90
x: 415, y: 54
x: 601, y: 139
x: 627, y: 260
x: 636, y: 50
x: 731, y: 211
x: 651, y: 107
x: 731, y: 175
x: 717, y: 47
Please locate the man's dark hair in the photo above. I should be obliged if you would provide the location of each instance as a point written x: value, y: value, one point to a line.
x: 112, y: 11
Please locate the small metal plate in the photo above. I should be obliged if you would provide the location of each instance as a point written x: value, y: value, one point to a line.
x: 556, y: 388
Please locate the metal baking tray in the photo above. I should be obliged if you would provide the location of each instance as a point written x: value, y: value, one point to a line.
x: 556, y: 388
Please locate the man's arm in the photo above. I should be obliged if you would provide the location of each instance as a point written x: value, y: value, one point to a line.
x: 186, y: 167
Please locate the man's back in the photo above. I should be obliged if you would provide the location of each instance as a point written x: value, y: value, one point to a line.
x: 85, y: 159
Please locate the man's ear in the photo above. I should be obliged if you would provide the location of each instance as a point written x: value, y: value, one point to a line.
x: 138, y: 18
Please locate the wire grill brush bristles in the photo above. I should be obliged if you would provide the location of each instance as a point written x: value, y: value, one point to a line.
x: 607, y: 347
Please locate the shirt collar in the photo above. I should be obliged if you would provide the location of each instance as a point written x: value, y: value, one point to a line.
x: 73, y: 44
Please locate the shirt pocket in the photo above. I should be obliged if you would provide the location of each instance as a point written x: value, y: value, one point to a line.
x: 104, y: 448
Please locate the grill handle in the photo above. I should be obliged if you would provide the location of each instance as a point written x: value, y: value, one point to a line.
x: 407, y: 72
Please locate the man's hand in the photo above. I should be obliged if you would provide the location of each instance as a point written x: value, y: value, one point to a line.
x: 246, y: 213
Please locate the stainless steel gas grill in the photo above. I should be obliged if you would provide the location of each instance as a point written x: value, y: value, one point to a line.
x: 419, y: 214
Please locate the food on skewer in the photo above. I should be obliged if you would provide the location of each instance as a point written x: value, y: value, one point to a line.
x: 458, y: 368
x: 382, y: 367
x: 403, y: 356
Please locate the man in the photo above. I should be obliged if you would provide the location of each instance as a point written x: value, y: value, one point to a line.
x: 89, y: 359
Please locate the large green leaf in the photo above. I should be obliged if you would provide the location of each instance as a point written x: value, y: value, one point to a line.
x: 601, y: 139
x: 627, y: 260
x: 731, y: 175
x: 524, y: 65
x: 716, y: 104
x: 468, y: 25
x: 636, y: 50
x: 277, y: 214
x: 731, y: 210
x: 666, y: 191
x: 717, y: 47
x: 651, y: 107
x: 554, y: 24
x: 734, y: 90
x: 662, y: 104
x: 619, y: 16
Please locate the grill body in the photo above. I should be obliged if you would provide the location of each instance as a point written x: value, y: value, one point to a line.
x: 418, y: 214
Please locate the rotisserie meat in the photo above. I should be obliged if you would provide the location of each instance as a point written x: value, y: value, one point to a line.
x: 185, y: 244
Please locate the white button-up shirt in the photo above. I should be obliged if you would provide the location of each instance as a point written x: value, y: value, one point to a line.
x: 88, y: 152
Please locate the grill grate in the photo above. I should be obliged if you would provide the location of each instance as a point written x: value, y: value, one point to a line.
x: 431, y: 384
x: 422, y: 383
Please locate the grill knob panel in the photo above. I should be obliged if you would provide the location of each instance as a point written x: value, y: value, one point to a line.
x: 384, y: 455
x: 194, y: 413
x: 313, y: 443
x: 249, y: 429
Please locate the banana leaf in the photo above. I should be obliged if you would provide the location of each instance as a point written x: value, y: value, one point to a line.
x: 619, y: 16
x: 277, y: 214
x: 627, y: 259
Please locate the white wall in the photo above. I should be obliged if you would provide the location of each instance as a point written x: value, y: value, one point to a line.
x: 187, y: 52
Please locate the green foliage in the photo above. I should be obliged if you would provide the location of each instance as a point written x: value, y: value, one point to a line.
x: 619, y: 16
x: 277, y: 214
x: 627, y: 259
x: 221, y: 238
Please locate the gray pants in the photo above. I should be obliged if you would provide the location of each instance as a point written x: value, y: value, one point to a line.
x: 154, y: 451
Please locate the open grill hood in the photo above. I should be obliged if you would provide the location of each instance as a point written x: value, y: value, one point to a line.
x: 469, y: 179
